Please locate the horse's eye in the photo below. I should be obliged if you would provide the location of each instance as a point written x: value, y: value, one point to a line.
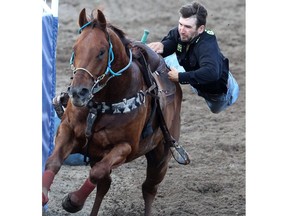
x: 101, y: 54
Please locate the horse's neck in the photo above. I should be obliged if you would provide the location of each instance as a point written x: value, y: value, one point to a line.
x: 124, y: 86
x: 129, y: 82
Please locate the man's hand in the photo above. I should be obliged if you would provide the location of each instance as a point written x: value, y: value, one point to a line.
x: 157, y: 47
x: 173, y: 75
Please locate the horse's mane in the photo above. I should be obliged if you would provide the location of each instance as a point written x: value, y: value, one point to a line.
x: 119, y: 32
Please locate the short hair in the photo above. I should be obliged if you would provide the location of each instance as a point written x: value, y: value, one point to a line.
x: 194, y: 9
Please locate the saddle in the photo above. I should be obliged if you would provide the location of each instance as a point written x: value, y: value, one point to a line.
x: 155, y: 70
x: 155, y: 73
x: 156, y: 66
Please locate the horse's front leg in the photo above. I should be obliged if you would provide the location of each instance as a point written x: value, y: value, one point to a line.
x: 100, y: 176
x: 53, y: 164
x: 74, y: 201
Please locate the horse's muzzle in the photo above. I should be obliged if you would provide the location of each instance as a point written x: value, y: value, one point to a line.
x: 79, y: 96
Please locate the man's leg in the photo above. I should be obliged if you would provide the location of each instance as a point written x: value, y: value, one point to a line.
x: 233, y: 89
x: 219, y: 103
x: 172, y: 61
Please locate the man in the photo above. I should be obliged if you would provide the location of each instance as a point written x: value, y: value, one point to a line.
x: 197, y: 51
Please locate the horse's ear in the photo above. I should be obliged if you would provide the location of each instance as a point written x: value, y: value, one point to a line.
x: 82, y: 18
x: 101, y: 19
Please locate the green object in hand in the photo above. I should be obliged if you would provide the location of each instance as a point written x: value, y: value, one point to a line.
x: 144, y: 37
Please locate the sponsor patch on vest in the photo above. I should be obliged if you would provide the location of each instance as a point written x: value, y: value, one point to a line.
x: 179, y: 48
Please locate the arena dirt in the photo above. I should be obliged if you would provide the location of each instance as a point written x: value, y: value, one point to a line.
x: 214, y: 183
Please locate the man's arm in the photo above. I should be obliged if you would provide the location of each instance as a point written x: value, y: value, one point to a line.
x: 168, y: 44
x: 157, y: 47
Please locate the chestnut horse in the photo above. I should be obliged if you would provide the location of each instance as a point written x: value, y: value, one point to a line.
x: 110, y: 116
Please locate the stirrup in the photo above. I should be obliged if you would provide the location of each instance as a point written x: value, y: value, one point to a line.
x: 179, y: 153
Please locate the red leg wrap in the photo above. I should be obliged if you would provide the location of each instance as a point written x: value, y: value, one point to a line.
x: 84, y: 191
x: 47, y: 179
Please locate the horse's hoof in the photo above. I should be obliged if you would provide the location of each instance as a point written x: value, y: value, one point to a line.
x: 69, y: 206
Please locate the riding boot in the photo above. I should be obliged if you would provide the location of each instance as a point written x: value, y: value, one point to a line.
x: 60, y: 103
x: 179, y: 153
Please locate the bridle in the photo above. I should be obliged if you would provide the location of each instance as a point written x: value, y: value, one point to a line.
x: 97, y: 86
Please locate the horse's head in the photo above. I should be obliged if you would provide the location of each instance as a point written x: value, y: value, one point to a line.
x: 92, y: 58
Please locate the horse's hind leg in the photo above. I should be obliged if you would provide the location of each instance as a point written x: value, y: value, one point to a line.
x: 156, y: 170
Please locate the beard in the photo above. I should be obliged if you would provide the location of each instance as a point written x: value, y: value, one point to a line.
x: 187, y: 38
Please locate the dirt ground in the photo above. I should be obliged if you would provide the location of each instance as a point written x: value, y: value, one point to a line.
x: 214, y: 183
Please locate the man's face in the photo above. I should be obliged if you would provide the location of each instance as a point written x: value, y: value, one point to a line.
x: 187, y: 28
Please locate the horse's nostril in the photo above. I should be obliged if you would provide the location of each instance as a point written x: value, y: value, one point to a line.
x: 84, y: 92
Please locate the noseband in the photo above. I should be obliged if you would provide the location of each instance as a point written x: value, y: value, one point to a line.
x: 96, y: 86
